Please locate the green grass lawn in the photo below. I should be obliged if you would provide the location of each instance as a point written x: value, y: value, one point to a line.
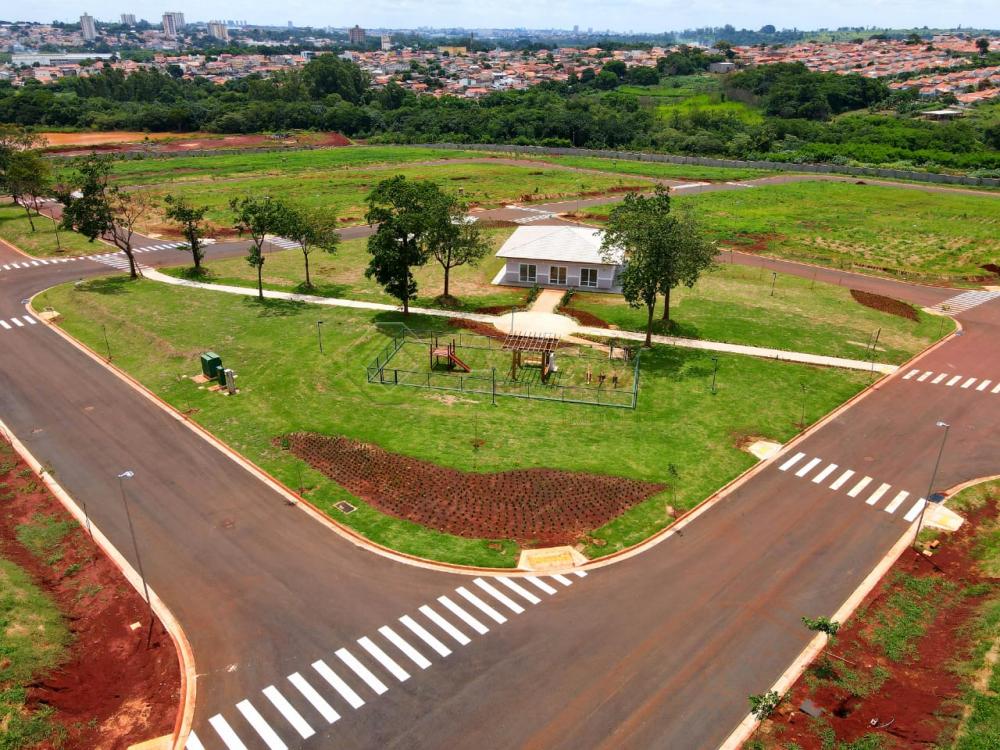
x: 920, y: 235
x: 657, y: 169
x: 734, y: 304
x: 288, y: 385
x: 15, y: 229
x: 34, y: 641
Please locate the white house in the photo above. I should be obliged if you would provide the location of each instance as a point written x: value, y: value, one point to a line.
x: 560, y: 257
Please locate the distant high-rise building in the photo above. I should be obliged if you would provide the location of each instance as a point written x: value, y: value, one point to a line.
x: 87, y: 27
x: 356, y: 35
x: 576, y: 29
x: 386, y: 42
x: 291, y: 25
x: 128, y: 19
x: 219, y: 30
x: 172, y: 23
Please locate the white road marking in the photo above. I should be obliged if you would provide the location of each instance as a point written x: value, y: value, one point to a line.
x: 253, y: 717
x: 482, y: 606
x: 877, y: 494
x: 968, y: 382
x: 5, y: 324
x: 315, y: 699
x: 361, y: 671
x: 226, y: 733
x: 915, y: 510
x: 520, y: 590
x: 807, y: 468
x: 384, y: 659
x: 286, y: 709
x: 193, y: 743
x: 953, y: 380
x: 896, y: 502
x: 563, y: 580
x: 30, y: 320
x: 825, y: 473
x: 415, y: 656
x: 539, y: 583
x: 499, y: 596
x: 856, y: 489
x: 792, y: 461
x: 446, y: 626
x: 464, y: 616
x: 842, y: 479
x: 352, y: 698
x: 996, y: 388
x: 580, y: 573
x: 924, y: 377
x: 910, y: 374
x: 17, y: 322
x: 418, y: 630
x: 984, y: 385
x: 939, y: 378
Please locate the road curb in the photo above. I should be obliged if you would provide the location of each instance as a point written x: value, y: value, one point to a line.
x: 185, y: 655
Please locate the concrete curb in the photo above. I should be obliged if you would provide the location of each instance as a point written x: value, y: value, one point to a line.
x: 185, y: 655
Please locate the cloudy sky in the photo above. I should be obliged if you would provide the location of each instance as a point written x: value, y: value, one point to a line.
x: 618, y: 15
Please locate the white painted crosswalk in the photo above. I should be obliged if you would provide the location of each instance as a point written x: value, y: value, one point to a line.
x: 20, y: 321
x: 284, y: 243
x: 308, y: 702
x: 951, y: 380
x: 26, y: 264
x: 965, y: 301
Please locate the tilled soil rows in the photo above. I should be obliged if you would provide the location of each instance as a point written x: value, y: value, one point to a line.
x: 531, y: 506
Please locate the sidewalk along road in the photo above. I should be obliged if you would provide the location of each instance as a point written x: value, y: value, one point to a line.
x: 302, y: 639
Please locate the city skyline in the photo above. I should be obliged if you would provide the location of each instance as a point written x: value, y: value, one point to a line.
x: 637, y: 16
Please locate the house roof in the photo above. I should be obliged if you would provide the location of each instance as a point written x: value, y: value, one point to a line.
x: 556, y: 243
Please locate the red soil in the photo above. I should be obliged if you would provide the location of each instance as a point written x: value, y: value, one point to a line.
x: 483, y: 329
x: 885, y: 304
x: 584, y: 317
x: 160, y: 146
x: 754, y: 243
x: 113, y: 690
x: 919, y: 696
x: 540, y: 506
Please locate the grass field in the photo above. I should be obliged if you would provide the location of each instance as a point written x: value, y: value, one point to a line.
x: 288, y: 385
x: 734, y: 304
x: 919, y: 234
x: 657, y: 169
x: 684, y: 95
x: 15, y: 228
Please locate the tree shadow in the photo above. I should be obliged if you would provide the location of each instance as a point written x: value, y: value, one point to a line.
x: 676, y: 328
x: 673, y: 362
x: 323, y: 289
x: 275, y: 308
x: 106, y: 285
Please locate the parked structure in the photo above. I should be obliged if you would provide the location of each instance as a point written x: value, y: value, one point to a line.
x: 562, y: 257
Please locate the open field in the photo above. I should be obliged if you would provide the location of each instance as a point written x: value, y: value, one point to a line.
x: 287, y: 385
x: 685, y: 95
x: 108, y: 136
x: 734, y: 304
x: 917, y: 234
x: 657, y: 169
x: 15, y: 229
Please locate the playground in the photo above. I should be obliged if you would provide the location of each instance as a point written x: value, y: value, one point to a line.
x: 516, y: 365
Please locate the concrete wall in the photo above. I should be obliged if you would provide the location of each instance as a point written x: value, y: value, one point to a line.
x: 512, y: 274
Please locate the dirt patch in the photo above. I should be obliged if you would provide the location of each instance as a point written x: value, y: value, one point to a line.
x: 583, y: 317
x: 992, y: 268
x: 885, y: 304
x: 753, y: 243
x: 533, y: 506
x: 175, y: 143
x: 98, y: 139
x: 114, y: 689
x: 495, y: 309
x: 914, y: 700
x: 483, y: 329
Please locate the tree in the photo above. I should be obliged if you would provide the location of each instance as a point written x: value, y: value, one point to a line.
x: 190, y: 218
x: 403, y: 211
x: 822, y: 625
x: 127, y: 209
x: 27, y: 177
x: 983, y: 45
x: 312, y: 230
x: 258, y: 217
x: 688, y: 254
x: 762, y: 706
x: 455, y: 240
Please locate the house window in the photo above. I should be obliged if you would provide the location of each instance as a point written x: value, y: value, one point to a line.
x: 527, y: 273
x: 588, y: 277
x: 557, y: 275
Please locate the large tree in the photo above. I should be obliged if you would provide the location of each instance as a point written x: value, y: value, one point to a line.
x: 404, y: 212
x: 27, y: 178
x: 258, y: 217
x: 455, y: 239
x: 312, y: 229
x: 191, y: 219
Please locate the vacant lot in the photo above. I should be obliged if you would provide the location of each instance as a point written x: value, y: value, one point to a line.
x: 289, y: 386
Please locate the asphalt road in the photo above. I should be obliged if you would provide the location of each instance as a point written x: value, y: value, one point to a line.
x: 660, y: 650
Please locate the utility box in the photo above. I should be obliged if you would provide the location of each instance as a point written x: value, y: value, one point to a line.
x: 220, y: 376
x: 211, y: 363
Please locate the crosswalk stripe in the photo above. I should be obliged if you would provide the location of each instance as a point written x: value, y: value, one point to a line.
x: 421, y: 632
x: 538, y: 583
x: 464, y: 616
x: 856, y: 489
x: 877, y: 494
x: 482, y: 606
x: 226, y: 733
x: 824, y: 473
x: 580, y: 573
x: 193, y: 743
x: 984, y: 385
x: 30, y: 320
x: 446, y: 626
x: 842, y: 479
x: 361, y: 671
x: 910, y: 374
x: 6, y: 267
x: 996, y: 388
x: 315, y: 699
x: 792, y: 461
x: 5, y: 324
x: 896, y: 501
x: 924, y: 377
x: 562, y: 579
x: 253, y: 717
x: 384, y: 659
x: 346, y: 692
x: 939, y: 378
x: 415, y: 656
x: 286, y: 709
x: 968, y: 382
x: 17, y: 322
x: 519, y: 590
x: 499, y: 596
x: 915, y: 510
x: 953, y: 380
x: 807, y: 467
x: 43, y: 262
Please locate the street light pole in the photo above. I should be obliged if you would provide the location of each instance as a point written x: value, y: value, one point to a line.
x: 319, y: 334
x: 715, y: 369
x: 128, y: 474
x: 774, y: 278
x: 930, y: 487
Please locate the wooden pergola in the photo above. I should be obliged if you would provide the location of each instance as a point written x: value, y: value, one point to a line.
x: 520, y: 343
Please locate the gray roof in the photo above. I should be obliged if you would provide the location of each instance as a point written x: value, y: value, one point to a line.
x: 569, y: 244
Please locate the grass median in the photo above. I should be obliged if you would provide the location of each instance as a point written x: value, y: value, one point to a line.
x: 43, y: 241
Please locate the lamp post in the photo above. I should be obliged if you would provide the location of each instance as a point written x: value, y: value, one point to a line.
x: 715, y: 370
x: 774, y: 278
x: 930, y: 487
x: 319, y: 334
x: 128, y: 474
x: 802, y: 420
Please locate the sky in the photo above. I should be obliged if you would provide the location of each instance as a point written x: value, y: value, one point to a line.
x: 616, y: 15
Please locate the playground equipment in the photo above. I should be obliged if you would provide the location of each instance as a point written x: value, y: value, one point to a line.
x: 542, y: 347
x: 447, y: 352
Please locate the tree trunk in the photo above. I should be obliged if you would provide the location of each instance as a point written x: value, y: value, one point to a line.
x: 133, y: 269
x: 650, y: 308
x: 27, y: 210
x: 447, y: 273
x: 305, y: 256
x: 406, y: 305
x: 666, y: 307
x: 195, y: 252
x: 260, y: 281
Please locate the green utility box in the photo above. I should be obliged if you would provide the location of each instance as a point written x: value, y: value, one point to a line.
x: 211, y: 364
